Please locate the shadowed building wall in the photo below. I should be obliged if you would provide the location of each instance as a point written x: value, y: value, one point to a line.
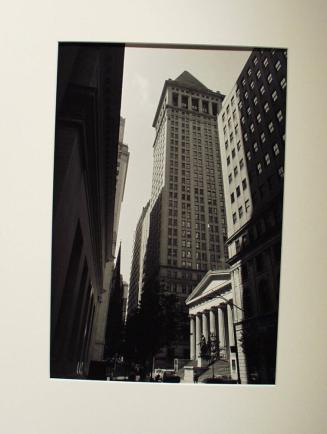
x: 85, y: 164
x: 252, y: 137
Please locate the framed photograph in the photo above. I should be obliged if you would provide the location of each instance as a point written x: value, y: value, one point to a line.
x: 220, y: 327
x: 183, y: 287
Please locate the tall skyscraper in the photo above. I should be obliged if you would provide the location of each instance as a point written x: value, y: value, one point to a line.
x: 252, y: 137
x: 139, y: 251
x: 187, y: 209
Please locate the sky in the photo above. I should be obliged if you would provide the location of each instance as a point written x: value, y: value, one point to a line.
x: 145, y: 71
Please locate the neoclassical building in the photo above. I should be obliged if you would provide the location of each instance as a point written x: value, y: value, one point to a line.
x: 211, y: 314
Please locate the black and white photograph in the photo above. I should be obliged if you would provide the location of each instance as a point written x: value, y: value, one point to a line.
x: 169, y: 168
x: 163, y: 218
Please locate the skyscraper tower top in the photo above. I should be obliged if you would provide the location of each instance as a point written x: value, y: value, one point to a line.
x: 186, y: 83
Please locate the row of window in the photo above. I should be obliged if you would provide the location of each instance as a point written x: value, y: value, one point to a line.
x: 237, y: 192
x: 241, y: 210
x: 191, y: 103
x: 276, y: 151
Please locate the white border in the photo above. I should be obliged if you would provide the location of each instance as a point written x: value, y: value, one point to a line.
x: 30, y: 402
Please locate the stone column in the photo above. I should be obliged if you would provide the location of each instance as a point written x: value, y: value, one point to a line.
x: 230, y: 325
x: 222, y: 331
x: 205, y: 329
x: 192, y: 338
x: 198, y: 333
x: 212, y: 317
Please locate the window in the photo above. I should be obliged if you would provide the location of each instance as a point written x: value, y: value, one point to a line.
x: 265, y: 62
x: 263, y: 137
x: 267, y: 158
x: 262, y: 90
x: 249, y: 71
x: 232, y: 198
x: 248, y: 155
x: 278, y: 65
x: 238, y: 191
x: 241, y: 163
x: 252, y: 128
x: 259, y: 73
x: 252, y: 84
x: 266, y: 107
x: 234, y: 218
x: 280, y: 116
x: 259, y: 118
x: 274, y: 96
x: 248, y: 111
x: 235, y: 171
x: 246, y: 95
x: 244, y: 184
x: 247, y: 205
x: 228, y: 160
x: 269, y: 78
x: 230, y: 178
x: 255, y: 60
x: 233, y: 153
x: 255, y: 100
x: 255, y: 146
x: 276, y: 149
x: 259, y: 168
x: 243, y: 82
x: 281, y: 171
x: 175, y: 99
x: 205, y: 108
x: 283, y: 83
x: 271, y: 127
x: 240, y: 212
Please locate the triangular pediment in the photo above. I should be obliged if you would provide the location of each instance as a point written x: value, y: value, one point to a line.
x: 189, y: 80
x: 212, y: 283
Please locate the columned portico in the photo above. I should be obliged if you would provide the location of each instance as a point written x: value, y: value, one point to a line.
x: 211, y: 315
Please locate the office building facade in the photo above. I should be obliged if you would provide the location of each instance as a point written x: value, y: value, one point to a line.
x: 85, y: 162
x: 252, y: 139
x: 139, y: 250
x: 187, y: 231
x: 98, y: 336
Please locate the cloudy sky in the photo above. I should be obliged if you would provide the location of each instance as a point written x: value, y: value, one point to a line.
x: 145, y: 71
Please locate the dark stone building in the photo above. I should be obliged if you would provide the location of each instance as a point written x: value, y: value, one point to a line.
x: 252, y: 135
x: 85, y: 166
